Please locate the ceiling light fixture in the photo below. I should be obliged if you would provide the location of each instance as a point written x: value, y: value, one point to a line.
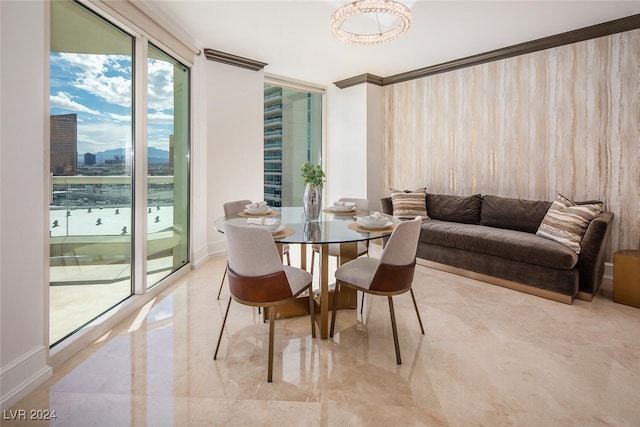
x: 377, y: 7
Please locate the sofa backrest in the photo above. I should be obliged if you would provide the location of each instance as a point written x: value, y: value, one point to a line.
x: 463, y: 209
x: 492, y: 211
x: 513, y: 214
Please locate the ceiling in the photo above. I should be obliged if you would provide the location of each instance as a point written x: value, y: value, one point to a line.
x: 293, y: 36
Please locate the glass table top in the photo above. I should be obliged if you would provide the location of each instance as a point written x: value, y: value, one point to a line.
x: 330, y: 227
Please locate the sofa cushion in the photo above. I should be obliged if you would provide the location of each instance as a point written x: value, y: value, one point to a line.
x: 409, y: 204
x: 462, y: 209
x: 566, y: 221
x: 510, y: 244
x: 513, y: 214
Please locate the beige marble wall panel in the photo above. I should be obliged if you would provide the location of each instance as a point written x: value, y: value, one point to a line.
x: 563, y: 120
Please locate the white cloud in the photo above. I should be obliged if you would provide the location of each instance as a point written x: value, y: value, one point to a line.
x: 63, y: 100
x: 160, y: 117
x: 94, y: 76
x: 160, y: 82
x: 119, y: 117
x: 99, y: 136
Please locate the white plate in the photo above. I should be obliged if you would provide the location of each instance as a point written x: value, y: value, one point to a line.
x: 343, y: 208
x: 279, y: 229
x: 374, y: 227
x: 257, y: 211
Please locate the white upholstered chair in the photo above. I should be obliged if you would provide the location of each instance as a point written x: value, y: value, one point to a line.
x: 234, y: 208
x: 390, y: 275
x: 258, y: 278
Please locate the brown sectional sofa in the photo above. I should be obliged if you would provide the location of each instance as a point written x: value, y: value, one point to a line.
x: 494, y: 239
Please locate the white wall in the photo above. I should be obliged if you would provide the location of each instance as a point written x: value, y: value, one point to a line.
x: 375, y: 147
x: 198, y: 160
x: 354, y: 143
x: 234, y: 138
x: 346, y: 142
x: 23, y: 352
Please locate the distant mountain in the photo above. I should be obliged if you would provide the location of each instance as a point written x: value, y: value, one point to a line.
x: 154, y: 155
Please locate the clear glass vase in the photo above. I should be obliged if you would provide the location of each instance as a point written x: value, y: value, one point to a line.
x: 312, y: 202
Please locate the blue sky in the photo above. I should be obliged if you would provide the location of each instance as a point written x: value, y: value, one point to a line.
x: 98, y: 88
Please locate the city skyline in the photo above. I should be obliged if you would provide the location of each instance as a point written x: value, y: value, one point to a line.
x: 98, y: 89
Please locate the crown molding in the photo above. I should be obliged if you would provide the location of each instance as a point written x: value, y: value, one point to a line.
x: 362, y: 78
x: 582, y: 34
x: 237, y: 61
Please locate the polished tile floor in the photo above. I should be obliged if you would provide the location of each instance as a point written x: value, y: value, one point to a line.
x: 490, y: 357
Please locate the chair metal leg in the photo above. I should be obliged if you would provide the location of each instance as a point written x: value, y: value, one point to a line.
x: 288, y: 259
x: 312, y: 311
x: 333, y: 309
x: 224, y: 322
x: 417, y: 312
x: 362, y: 305
x: 222, y: 281
x: 313, y: 257
x: 272, y: 323
x: 395, y: 330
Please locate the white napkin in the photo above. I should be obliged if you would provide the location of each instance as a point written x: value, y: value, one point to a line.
x: 263, y: 221
x: 342, y: 203
x: 375, y: 218
x: 257, y: 205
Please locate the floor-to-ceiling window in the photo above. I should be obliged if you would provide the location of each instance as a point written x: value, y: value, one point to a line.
x: 95, y: 137
x: 292, y: 137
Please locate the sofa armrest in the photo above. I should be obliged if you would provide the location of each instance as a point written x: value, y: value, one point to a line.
x: 387, y: 205
x: 592, y: 250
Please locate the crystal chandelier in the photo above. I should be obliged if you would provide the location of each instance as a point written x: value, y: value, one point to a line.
x: 377, y: 7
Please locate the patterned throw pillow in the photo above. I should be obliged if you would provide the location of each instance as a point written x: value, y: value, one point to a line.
x: 409, y: 204
x: 566, y: 222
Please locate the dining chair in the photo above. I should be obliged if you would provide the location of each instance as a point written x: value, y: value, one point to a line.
x: 334, y: 248
x: 234, y: 208
x: 388, y: 276
x: 258, y: 278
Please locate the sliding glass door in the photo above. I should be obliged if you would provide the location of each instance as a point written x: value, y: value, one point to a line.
x: 93, y: 211
x: 91, y: 112
x: 167, y: 165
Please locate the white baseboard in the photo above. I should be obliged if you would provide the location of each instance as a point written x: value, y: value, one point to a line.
x: 217, y: 248
x: 22, y: 375
x: 199, y: 256
x: 608, y: 271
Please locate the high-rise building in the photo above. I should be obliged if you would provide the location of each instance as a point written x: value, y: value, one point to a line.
x: 273, y: 145
x: 89, y: 159
x: 64, y: 144
x: 292, y: 137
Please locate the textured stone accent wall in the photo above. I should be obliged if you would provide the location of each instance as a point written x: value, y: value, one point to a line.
x: 563, y: 120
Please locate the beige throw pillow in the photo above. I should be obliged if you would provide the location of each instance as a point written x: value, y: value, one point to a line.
x: 409, y: 204
x: 566, y: 222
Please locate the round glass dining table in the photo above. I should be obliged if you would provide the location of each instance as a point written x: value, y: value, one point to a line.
x: 330, y: 228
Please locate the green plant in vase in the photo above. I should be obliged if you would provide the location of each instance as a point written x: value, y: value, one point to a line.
x: 314, y: 178
x: 313, y: 174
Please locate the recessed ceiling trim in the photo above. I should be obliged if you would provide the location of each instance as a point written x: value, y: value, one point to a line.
x: 599, y: 30
x: 230, y: 59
